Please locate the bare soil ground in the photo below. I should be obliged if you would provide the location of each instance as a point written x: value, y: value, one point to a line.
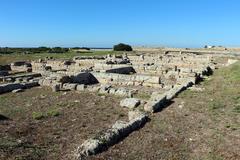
x: 47, y: 125
x: 197, y: 125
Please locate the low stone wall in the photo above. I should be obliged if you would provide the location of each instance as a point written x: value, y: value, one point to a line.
x: 21, y: 66
x: 38, y: 67
x: 111, y: 136
x: 155, y: 103
x: 159, y: 101
x: 132, y: 80
x: 103, y: 66
x: 14, y: 77
x: 4, y: 88
x: 89, y: 62
x: 106, y: 90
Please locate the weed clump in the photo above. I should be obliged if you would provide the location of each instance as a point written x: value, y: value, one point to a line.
x: 37, y: 115
x: 49, y: 113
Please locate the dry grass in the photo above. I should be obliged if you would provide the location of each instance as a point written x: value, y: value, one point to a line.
x: 198, y: 125
x: 47, y: 125
x: 8, y: 58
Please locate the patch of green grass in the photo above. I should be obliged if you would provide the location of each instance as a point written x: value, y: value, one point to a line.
x: 2, y: 100
x: 11, y: 111
x: 38, y: 115
x: 53, y: 113
x: 237, y: 108
x: 232, y: 127
x: 215, y: 105
x: 22, y: 151
x: 235, y: 72
x: 236, y: 98
x: 5, y: 143
x: 231, y: 73
x: 49, y: 113
x: 100, y: 94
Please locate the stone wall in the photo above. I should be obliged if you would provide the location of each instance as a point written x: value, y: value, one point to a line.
x: 132, y: 80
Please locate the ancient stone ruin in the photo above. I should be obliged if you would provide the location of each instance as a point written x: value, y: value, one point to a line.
x: 161, y: 76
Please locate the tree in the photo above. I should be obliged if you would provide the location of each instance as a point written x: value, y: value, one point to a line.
x: 84, y: 48
x: 122, y: 47
x: 43, y: 49
x: 58, y: 50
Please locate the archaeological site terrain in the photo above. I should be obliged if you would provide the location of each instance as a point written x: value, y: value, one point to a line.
x: 161, y: 103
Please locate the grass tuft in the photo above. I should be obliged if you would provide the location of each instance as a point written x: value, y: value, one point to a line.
x: 53, y: 113
x: 237, y: 108
x: 49, y: 113
x: 38, y: 115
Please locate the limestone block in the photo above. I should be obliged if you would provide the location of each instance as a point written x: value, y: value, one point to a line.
x: 81, y: 87
x: 135, y: 115
x: 123, y: 92
x: 130, y: 103
x: 112, y: 91
x: 70, y: 86
x: 17, y: 90
x: 155, y: 103
x: 93, y: 88
x: 56, y: 87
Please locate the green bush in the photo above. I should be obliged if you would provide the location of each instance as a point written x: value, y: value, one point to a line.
x: 58, y: 50
x: 84, y: 48
x: 122, y: 47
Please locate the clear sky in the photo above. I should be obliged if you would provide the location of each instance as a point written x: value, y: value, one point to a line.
x: 102, y: 23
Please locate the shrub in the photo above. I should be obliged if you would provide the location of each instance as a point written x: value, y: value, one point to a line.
x: 84, y: 48
x: 122, y: 47
x: 58, y: 50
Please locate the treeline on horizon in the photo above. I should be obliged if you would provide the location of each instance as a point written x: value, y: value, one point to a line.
x: 10, y: 50
x: 33, y: 50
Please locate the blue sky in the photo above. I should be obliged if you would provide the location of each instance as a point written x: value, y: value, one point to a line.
x: 102, y: 23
